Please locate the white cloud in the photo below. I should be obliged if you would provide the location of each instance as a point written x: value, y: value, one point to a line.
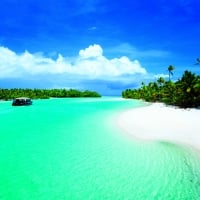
x: 161, y: 75
x: 128, y: 49
x: 93, y: 28
x: 89, y: 64
x: 92, y: 51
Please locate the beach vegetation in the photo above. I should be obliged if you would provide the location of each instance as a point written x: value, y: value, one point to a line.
x: 170, y: 69
x: 184, y: 93
x: 8, y: 94
x: 197, y: 61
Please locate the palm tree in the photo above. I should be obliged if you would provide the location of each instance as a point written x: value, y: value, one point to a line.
x: 197, y: 61
x: 161, y: 81
x: 170, y: 69
x: 189, y: 86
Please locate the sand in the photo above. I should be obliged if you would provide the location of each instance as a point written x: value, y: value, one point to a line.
x: 158, y: 122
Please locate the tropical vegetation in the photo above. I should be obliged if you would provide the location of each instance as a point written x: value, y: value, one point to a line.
x: 7, y: 94
x: 170, y: 69
x: 184, y: 93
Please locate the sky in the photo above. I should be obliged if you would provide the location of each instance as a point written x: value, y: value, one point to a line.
x: 106, y: 46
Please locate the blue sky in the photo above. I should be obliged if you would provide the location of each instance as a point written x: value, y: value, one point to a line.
x: 100, y: 45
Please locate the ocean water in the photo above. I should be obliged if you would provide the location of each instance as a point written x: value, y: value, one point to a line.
x: 72, y: 149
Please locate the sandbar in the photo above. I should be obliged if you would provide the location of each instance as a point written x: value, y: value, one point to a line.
x: 158, y: 122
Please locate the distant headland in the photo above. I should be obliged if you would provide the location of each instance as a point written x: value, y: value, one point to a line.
x: 8, y: 94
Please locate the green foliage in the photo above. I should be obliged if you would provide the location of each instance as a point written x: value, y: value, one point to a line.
x: 6, y: 94
x: 184, y: 93
x: 170, y: 69
x: 189, y: 90
x: 197, y: 61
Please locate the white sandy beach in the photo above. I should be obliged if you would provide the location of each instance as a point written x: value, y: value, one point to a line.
x: 163, y: 123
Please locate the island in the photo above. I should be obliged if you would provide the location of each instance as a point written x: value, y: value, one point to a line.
x: 9, y: 94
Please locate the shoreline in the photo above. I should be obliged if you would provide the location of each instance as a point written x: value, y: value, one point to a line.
x: 161, y: 123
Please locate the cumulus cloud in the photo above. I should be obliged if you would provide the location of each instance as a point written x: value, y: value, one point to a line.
x: 89, y: 69
x: 89, y: 63
x: 92, y: 51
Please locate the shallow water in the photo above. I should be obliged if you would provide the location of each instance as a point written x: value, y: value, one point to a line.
x: 71, y: 149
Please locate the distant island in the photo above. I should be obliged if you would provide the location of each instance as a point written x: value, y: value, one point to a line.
x: 8, y: 94
x: 184, y: 93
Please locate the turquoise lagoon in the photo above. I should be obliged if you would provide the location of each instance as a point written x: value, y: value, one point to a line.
x: 72, y: 149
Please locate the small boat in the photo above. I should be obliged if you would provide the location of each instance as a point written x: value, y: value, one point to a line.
x: 22, y: 101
